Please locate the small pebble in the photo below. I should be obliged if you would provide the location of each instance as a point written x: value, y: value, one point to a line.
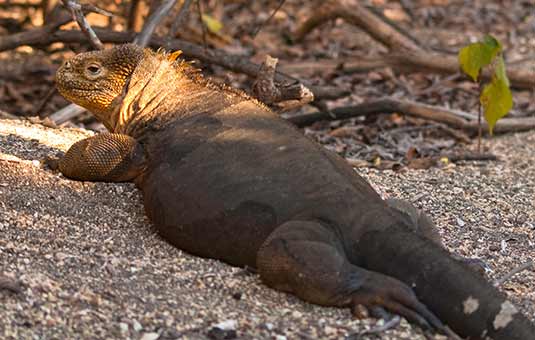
x: 136, y: 325
x: 150, y: 336
x: 123, y: 327
x: 227, y: 325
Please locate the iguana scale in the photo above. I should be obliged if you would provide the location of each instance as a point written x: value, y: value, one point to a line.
x: 224, y: 177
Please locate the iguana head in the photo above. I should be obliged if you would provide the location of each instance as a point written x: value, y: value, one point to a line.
x: 95, y: 80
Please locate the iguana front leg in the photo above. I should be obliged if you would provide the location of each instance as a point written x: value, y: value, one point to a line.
x: 108, y: 157
x: 307, y: 259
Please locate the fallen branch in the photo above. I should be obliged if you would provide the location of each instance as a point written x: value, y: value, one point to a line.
x: 513, y: 272
x: 182, y: 14
x: 44, y: 101
x: 470, y: 156
x: 363, y: 18
x: 259, y: 28
x: 383, y: 106
x: 265, y: 89
x: 152, y: 22
x: 448, y: 64
x: 428, y: 162
x: 209, y: 56
x: 455, y: 133
x: 455, y: 118
x: 201, y: 23
x: 77, y: 15
x: 7, y: 115
x: 11, y: 4
x: 347, y: 66
x: 406, y: 63
x: 134, y: 19
x: 405, y: 53
x: 67, y: 113
x: 34, y: 36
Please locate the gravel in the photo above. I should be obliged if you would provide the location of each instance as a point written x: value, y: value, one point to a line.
x: 80, y: 260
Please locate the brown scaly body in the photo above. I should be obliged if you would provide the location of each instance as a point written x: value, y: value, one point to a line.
x: 224, y: 177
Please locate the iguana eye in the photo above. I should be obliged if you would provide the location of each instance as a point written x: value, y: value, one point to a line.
x: 93, y: 69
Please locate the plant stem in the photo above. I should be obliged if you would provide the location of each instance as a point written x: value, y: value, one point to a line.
x: 479, y: 127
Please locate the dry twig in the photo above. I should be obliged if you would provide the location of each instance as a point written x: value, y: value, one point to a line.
x: 455, y: 118
x: 448, y: 64
x: 201, y: 22
x: 77, y: 15
x: 68, y: 112
x: 44, y: 101
x: 359, y: 16
x: 35, y: 36
x: 134, y: 16
x: 7, y: 115
x: 133, y: 22
x: 210, y: 56
x: 259, y: 28
x: 181, y: 16
x: 152, y: 22
x: 405, y: 53
x: 471, y: 156
x: 265, y: 90
x: 513, y: 272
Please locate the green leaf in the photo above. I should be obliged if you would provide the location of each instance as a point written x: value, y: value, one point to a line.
x: 492, y: 43
x: 211, y: 23
x: 474, y: 57
x: 496, y: 100
x: 500, y: 70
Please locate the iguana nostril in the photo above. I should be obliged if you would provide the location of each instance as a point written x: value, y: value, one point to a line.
x: 66, y: 65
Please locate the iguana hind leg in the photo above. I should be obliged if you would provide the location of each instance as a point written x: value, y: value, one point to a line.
x: 306, y: 258
x: 109, y: 157
x: 423, y: 225
x: 420, y: 221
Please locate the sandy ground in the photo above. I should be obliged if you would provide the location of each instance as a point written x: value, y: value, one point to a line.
x: 87, y: 264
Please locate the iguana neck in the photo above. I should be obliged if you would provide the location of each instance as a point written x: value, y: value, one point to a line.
x: 160, y: 90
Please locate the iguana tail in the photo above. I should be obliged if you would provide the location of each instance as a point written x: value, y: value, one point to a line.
x: 461, y: 298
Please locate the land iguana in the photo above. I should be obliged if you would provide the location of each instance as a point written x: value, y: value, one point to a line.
x: 224, y: 177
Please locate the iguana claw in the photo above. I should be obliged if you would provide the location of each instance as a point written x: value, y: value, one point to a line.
x: 396, y: 297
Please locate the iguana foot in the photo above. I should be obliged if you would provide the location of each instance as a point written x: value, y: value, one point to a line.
x: 307, y: 259
x: 379, y: 290
x: 109, y: 157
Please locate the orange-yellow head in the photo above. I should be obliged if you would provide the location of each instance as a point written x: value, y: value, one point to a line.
x: 95, y: 79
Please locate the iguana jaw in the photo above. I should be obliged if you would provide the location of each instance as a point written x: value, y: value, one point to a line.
x: 101, y: 106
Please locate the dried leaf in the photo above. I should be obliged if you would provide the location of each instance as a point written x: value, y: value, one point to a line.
x: 211, y: 23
